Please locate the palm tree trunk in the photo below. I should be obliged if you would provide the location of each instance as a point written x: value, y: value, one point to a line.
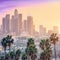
x: 55, y: 51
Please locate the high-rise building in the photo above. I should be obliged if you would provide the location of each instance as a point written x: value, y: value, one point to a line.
x: 30, y: 25
x: 25, y: 25
x: 7, y: 23
x: 34, y: 30
x: 12, y: 24
x: 16, y: 13
x: 50, y: 32
x: 55, y: 29
x: 42, y: 30
x: 3, y: 25
x: 16, y: 22
x: 19, y: 23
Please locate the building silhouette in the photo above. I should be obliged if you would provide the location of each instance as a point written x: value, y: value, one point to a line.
x: 55, y: 29
x: 50, y: 32
x: 16, y: 26
x: 19, y: 24
x: 16, y: 23
x: 3, y: 25
x: 42, y: 30
x: 25, y: 25
x: 6, y: 23
x: 30, y: 25
x: 12, y: 25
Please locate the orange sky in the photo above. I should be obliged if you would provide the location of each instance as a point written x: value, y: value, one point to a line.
x: 47, y: 14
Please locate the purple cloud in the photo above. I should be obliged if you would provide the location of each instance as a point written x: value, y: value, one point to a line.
x: 5, y: 4
x: 28, y: 0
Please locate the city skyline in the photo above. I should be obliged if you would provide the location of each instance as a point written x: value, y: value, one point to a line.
x: 41, y: 18
x: 45, y: 12
x: 11, y: 16
x: 16, y: 25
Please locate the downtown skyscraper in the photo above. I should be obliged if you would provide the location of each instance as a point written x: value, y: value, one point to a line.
x: 25, y: 25
x: 3, y: 25
x: 42, y: 30
x: 12, y: 25
x: 30, y: 25
x: 6, y: 24
x: 16, y: 23
x: 19, y: 23
x: 55, y: 29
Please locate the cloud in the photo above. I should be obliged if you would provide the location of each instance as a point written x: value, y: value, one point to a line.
x: 4, y: 4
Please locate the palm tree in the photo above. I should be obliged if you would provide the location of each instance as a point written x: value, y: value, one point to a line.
x: 43, y: 47
x: 12, y: 55
x: 54, y: 39
x: 9, y: 41
x: 24, y: 57
x: 46, y: 50
x: 42, y: 56
x: 18, y: 52
x: 30, y: 41
x: 2, y: 58
x: 31, y: 50
x: 42, y: 44
x: 4, y: 44
x: 7, y: 57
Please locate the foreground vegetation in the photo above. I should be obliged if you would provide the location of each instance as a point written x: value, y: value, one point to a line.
x: 31, y: 50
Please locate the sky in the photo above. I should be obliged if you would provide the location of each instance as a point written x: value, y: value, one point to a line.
x: 44, y: 12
